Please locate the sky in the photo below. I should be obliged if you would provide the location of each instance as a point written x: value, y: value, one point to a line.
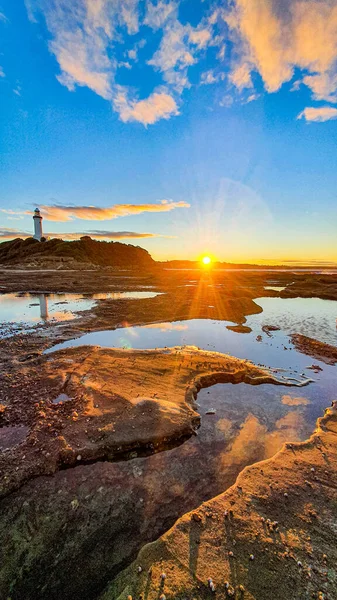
x: 187, y: 127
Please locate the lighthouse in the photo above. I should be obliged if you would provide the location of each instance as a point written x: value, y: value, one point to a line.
x: 37, y: 225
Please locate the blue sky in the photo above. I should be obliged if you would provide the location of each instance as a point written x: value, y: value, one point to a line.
x: 187, y: 127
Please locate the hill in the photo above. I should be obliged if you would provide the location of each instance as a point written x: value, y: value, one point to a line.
x: 85, y: 252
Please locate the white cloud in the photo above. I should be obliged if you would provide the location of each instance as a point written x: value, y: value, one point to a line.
x: 241, y: 77
x: 157, y: 14
x: 2, y: 72
x: 200, y: 37
x: 173, y: 50
x: 319, y: 115
x: 85, y: 36
x: 281, y: 40
x: 210, y: 77
x: 180, y: 48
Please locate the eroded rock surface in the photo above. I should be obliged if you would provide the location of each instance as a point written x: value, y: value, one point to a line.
x: 272, y: 535
x: 121, y: 401
x: 323, y: 352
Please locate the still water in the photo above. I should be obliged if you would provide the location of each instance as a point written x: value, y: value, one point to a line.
x: 136, y: 500
x: 313, y: 317
x: 310, y: 316
x: 26, y: 308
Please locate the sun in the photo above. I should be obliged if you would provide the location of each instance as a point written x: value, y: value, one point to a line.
x: 206, y: 260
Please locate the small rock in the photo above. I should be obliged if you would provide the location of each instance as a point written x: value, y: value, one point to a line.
x: 196, y: 517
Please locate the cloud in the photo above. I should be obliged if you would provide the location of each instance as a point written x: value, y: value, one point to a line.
x: 319, y: 115
x: 157, y: 106
x: 173, y: 51
x: 158, y: 14
x: 121, y: 235
x: 323, y: 86
x: 200, y: 37
x: 8, y: 234
x: 180, y: 48
x: 277, y: 37
x: 241, y: 77
x: 85, y: 39
x: 210, y: 77
x: 2, y: 72
x: 280, y: 40
x: 10, y: 211
x: 82, y: 35
x: 95, y: 213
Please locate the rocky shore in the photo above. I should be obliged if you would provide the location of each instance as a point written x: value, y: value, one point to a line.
x: 75, y: 510
x: 323, y: 352
x: 272, y: 535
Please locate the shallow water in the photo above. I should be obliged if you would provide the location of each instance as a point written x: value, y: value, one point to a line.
x: 37, y: 308
x: 313, y: 317
x: 137, y: 500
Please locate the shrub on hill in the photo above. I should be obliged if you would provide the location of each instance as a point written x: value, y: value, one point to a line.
x: 85, y: 250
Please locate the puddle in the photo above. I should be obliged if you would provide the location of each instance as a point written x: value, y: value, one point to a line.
x: 134, y: 502
x: 311, y: 316
x: 38, y: 308
x: 276, y: 288
x: 26, y: 308
x: 240, y: 425
x: 126, y: 295
x: 12, y: 436
x: 61, y: 398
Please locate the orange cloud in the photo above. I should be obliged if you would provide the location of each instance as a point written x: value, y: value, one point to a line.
x: 156, y: 106
x: 95, y: 213
x: 321, y: 114
x: 167, y: 327
x: 10, y: 234
x: 275, y: 37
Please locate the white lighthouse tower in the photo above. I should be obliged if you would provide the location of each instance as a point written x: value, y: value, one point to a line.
x: 37, y: 225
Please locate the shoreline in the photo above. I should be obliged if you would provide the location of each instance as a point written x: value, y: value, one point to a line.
x: 68, y: 444
x: 79, y: 429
